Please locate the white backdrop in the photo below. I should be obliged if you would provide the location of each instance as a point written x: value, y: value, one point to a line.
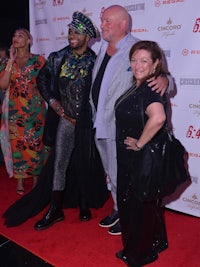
x: 175, y: 25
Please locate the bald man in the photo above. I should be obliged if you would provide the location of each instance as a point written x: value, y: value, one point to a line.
x: 112, y: 76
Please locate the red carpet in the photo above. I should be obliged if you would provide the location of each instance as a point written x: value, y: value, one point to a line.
x: 72, y: 243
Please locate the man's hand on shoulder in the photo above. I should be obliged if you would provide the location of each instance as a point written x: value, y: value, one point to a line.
x: 159, y: 85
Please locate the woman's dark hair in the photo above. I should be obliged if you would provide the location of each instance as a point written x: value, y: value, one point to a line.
x: 155, y: 52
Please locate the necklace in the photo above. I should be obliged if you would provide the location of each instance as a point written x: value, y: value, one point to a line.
x: 130, y: 91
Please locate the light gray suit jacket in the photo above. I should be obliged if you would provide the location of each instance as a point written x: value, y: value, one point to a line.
x: 116, y: 80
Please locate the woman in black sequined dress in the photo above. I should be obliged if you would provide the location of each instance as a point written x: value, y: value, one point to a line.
x: 142, y: 223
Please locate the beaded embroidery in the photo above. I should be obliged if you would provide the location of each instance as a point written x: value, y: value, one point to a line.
x: 77, y: 66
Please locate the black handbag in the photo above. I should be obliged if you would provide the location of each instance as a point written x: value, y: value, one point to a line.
x: 159, y: 168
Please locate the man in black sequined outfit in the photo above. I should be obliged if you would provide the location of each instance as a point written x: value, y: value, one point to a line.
x: 64, y: 82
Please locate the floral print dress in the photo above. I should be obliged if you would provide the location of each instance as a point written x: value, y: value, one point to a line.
x: 23, y: 119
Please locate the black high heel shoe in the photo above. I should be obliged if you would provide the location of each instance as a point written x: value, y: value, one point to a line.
x: 85, y: 213
x: 120, y: 255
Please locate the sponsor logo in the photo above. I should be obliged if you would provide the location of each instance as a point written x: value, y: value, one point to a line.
x: 196, y: 27
x: 194, y: 155
x: 39, y: 4
x: 135, y: 7
x: 196, y: 108
x: 40, y: 21
x: 187, y: 52
x: 58, y: 2
x: 61, y: 37
x: 158, y: 3
x: 139, y: 30
x: 139, y: 7
x: 193, y: 133
x: 189, y: 81
x: 195, y: 52
x: 169, y: 29
x: 55, y: 19
x: 193, y: 201
x: 77, y: 1
x: 195, y: 105
x: 42, y: 39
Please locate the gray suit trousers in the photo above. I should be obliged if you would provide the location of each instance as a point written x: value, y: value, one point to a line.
x: 108, y: 154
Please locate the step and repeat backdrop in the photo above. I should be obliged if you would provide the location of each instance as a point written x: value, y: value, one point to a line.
x: 175, y: 25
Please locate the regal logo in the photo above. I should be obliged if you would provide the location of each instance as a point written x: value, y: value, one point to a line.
x: 158, y: 3
x: 58, y: 2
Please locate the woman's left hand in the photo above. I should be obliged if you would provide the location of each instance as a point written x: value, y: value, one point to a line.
x: 131, y: 143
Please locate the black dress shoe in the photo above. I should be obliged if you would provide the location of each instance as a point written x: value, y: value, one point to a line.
x: 120, y: 255
x: 85, y: 215
x: 110, y: 220
x: 51, y: 217
x: 115, y: 229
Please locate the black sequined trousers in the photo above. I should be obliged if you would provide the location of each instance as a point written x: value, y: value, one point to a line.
x: 65, y: 139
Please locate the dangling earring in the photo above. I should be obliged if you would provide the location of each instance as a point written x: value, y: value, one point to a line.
x: 154, y: 70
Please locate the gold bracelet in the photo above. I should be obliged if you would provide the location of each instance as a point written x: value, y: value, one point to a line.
x: 9, y: 65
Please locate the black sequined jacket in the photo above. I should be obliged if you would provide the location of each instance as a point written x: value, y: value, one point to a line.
x: 76, y: 74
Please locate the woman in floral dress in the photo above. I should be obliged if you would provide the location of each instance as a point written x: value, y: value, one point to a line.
x: 24, y: 112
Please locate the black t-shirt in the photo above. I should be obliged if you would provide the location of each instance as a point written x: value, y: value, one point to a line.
x: 97, y: 82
